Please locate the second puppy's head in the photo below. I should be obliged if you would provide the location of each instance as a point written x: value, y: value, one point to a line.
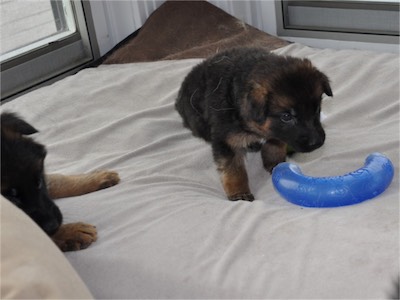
x: 284, y: 102
x: 22, y: 173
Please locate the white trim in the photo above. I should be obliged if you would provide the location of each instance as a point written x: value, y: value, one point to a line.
x: 335, y: 44
x: 33, y: 46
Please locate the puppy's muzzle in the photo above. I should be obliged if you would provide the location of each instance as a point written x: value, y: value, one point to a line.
x: 310, y: 142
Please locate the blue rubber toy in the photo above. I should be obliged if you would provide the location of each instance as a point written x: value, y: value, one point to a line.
x: 357, y: 186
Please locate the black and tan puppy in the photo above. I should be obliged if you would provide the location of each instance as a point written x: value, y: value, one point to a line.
x: 249, y: 99
x: 25, y: 184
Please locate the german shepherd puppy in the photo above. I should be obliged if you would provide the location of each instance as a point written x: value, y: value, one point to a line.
x: 247, y: 99
x: 24, y: 183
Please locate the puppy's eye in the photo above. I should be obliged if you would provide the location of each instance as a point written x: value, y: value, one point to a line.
x: 286, y: 117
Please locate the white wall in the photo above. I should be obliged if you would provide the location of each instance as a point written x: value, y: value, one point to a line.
x: 115, y: 20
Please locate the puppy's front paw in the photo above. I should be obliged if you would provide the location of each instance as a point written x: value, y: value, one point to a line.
x: 75, y: 236
x: 245, y: 196
x: 106, y: 179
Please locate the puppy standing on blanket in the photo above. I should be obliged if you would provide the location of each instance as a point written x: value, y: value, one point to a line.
x: 24, y: 183
x: 247, y: 99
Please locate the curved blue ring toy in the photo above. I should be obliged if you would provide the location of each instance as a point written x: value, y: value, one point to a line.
x: 354, y: 187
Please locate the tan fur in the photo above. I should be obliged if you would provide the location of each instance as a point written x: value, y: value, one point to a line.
x: 261, y: 129
x: 242, y: 140
x: 234, y: 178
x: 259, y: 92
x: 75, y: 236
x: 60, y: 186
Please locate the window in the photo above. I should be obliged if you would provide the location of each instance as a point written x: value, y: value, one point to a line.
x: 42, y: 40
x: 367, y: 21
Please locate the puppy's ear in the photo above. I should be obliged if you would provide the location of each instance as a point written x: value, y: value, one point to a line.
x: 254, y: 104
x: 256, y: 101
x: 13, y: 124
x: 326, y: 86
x: 259, y: 92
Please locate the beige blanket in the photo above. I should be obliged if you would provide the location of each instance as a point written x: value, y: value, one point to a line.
x: 167, y: 231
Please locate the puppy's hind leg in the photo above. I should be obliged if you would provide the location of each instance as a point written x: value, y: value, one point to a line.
x: 60, y: 186
x: 233, y: 174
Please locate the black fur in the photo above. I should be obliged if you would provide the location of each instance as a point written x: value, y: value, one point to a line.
x: 22, y: 173
x: 249, y: 99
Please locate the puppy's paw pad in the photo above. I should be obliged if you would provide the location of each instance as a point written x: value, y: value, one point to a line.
x: 245, y: 196
x: 106, y: 179
x: 75, y: 236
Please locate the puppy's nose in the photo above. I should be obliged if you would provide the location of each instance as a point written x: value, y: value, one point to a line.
x: 50, y: 226
x: 311, y: 142
x: 316, y: 141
